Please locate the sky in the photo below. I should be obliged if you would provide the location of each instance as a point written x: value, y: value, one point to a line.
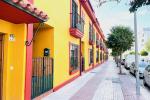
x: 112, y: 13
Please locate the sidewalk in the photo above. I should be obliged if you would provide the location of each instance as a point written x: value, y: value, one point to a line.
x: 102, y: 83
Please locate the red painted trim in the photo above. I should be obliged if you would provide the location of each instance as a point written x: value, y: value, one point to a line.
x: 31, y: 1
x: 64, y: 83
x: 28, y: 74
x: 76, y: 33
x: 43, y: 95
x: 87, y: 70
x: 74, y: 72
x: 87, y: 6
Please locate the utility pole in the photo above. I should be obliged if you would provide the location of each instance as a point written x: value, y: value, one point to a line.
x: 136, y: 55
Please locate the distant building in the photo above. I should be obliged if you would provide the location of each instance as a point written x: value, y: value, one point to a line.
x: 144, y: 36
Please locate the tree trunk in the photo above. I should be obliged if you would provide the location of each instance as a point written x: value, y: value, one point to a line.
x: 120, y: 69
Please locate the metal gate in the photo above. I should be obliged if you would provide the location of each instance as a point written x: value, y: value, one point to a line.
x: 42, y: 75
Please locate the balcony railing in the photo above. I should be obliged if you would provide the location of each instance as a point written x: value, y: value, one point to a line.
x: 78, y: 22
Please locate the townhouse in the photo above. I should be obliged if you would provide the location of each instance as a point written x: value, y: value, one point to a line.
x: 46, y: 44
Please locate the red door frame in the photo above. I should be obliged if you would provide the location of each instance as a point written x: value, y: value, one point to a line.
x: 28, y: 71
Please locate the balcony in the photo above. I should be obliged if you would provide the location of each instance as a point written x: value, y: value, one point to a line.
x: 77, y: 29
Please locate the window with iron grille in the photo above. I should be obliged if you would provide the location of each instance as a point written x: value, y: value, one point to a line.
x: 74, y: 57
x: 97, y: 39
x: 97, y: 56
x: 93, y: 35
x: 90, y: 32
x: 77, y: 19
x: 74, y: 14
x: 91, y: 56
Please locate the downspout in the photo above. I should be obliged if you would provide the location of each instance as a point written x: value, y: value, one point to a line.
x: 80, y: 47
x: 93, y: 47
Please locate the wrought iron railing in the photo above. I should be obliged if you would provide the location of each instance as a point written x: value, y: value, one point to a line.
x: 77, y: 22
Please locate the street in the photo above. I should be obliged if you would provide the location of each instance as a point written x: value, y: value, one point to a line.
x: 101, y: 83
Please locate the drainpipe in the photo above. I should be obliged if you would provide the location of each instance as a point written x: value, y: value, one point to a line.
x: 80, y: 58
x: 80, y: 47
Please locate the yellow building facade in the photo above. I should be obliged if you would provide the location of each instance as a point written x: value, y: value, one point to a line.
x: 40, y: 54
x: 63, y: 35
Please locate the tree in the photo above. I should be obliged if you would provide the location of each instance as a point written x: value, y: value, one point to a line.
x: 101, y: 2
x: 120, y: 40
x: 147, y: 45
x: 144, y: 53
x: 135, y: 4
x: 132, y: 53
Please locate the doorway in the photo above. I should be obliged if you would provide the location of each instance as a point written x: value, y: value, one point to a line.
x: 1, y: 66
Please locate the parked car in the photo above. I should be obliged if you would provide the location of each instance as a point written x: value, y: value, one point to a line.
x: 146, y: 79
x: 142, y: 65
x: 128, y: 61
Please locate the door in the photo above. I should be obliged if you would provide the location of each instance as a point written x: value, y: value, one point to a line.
x: 42, y: 75
x: 1, y: 66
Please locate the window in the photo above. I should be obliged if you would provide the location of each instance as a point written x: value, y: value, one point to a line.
x: 77, y: 19
x: 90, y: 32
x: 93, y: 35
x: 91, y: 56
x: 74, y: 57
x: 97, y: 39
x: 97, y: 56
x: 101, y: 58
x: 74, y: 13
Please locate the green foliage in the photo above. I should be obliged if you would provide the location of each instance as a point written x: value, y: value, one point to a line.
x: 120, y: 39
x: 114, y: 53
x: 147, y: 45
x: 135, y: 4
x: 132, y: 53
x: 144, y: 53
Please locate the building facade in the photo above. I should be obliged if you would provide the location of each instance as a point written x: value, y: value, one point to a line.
x: 144, y: 37
x: 41, y: 52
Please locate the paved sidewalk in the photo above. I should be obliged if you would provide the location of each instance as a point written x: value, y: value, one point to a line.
x: 102, y: 83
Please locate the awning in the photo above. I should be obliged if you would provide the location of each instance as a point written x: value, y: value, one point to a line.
x: 21, y: 11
